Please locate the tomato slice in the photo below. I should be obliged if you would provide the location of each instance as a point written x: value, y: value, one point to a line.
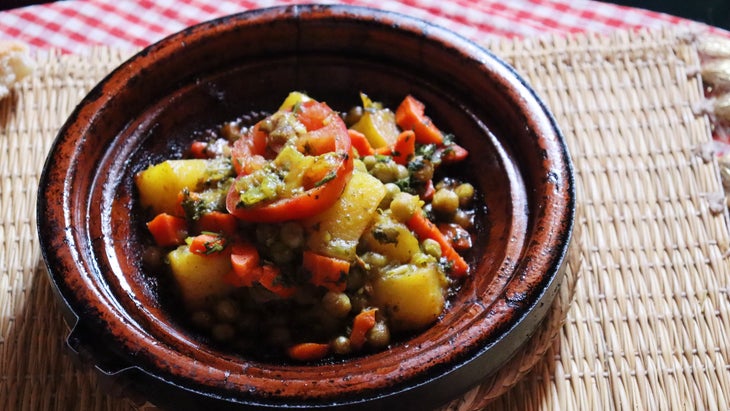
x: 326, y: 125
x: 246, y: 156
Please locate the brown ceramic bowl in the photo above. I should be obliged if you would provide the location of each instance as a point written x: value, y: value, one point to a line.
x: 149, y: 108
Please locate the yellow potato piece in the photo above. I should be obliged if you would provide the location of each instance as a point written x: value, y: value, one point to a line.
x: 199, y: 277
x: 412, y: 296
x: 294, y: 98
x: 160, y: 184
x: 336, y: 231
x: 392, y: 239
x: 378, y: 126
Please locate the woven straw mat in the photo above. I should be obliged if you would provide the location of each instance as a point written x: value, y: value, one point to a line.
x: 642, y: 320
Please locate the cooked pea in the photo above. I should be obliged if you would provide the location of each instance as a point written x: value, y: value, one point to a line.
x: 431, y: 247
x: 202, y: 319
x: 337, y: 304
x: 374, y: 260
x: 464, y: 218
x: 465, y: 192
x: 227, y: 310
x: 341, y: 345
x: 292, y: 234
x: 379, y: 335
x: 266, y: 234
x: 353, y: 115
x: 223, y: 332
x: 391, y: 190
x: 152, y: 257
x: 445, y: 201
x: 281, y: 253
x: 355, y: 278
x: 369, y: 161
x: 359, y: 302
x: 387, y: 172
x: 403, y: 206
x: 421, y: 169
x: 402, y: 172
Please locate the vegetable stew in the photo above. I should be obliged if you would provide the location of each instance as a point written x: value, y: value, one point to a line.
x: 312, y: 234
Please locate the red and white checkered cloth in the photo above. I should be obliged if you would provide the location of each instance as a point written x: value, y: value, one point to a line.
x: 73, y: 26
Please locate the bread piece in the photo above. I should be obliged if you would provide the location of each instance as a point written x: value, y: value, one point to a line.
x: 15, y: 64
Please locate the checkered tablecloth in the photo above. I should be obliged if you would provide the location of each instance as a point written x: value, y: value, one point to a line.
x: 74, y: 25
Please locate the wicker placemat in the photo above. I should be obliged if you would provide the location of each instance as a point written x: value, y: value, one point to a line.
x: 643, y: 316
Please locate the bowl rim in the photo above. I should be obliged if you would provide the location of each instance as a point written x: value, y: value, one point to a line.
x: 55, y: 243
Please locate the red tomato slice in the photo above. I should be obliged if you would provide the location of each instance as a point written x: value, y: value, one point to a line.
x: 245, y: 156
x: 310, y: 201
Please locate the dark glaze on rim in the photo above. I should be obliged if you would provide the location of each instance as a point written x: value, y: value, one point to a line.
x: 220, y: 69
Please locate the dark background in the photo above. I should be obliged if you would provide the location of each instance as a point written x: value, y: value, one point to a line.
x: 713, y: 12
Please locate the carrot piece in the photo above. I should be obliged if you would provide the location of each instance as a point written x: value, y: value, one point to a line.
x: 308, y: 351
x: 328, y: 272
x: 363, y: 322
x: 168, y: 230
x: 457, y: 235
x: 271, y: 280
x: 207, y: 244
x: 410, y: 116
x: 404, y: 147
x: 424, y: 228
x: 453, y: 153
x: 198, y: 149
x: 245, y: 262
x: 218, y: 222
x: 361, y: 143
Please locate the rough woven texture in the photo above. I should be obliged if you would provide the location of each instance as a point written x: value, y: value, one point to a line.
x: 643, y: 317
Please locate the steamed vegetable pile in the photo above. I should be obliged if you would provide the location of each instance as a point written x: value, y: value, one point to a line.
x: 312, y: 233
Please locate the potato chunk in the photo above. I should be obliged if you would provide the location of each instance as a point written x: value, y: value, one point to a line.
x: 160, y: 184
x: 392, y: 239
x: 199, y: 277
x: 412, y: 296
x: 336, y: 231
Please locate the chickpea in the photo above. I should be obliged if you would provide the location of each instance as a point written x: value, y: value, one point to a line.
x: 465, y: 192
x: 391, y: 190
x: 432, y: 247
x: 266, y: 234
x: 402, y: 172
x: 355, y: 278
x: 464, y: 218
x: 359, y: 302
x: 353, y: 115
x: 280, y: 253
x: 403, y: 206
x: 152, y: 257
x: 375, y: 260
x: 369, y: 162
x: 379, y: 335
x: 337, y: 304
x: 445, y: 201
x: 292, y: 234
x: 227, y: 310
x: 341, y: 345
x: 387, y: 172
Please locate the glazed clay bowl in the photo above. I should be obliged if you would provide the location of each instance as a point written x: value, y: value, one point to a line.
x: 149, y: 108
